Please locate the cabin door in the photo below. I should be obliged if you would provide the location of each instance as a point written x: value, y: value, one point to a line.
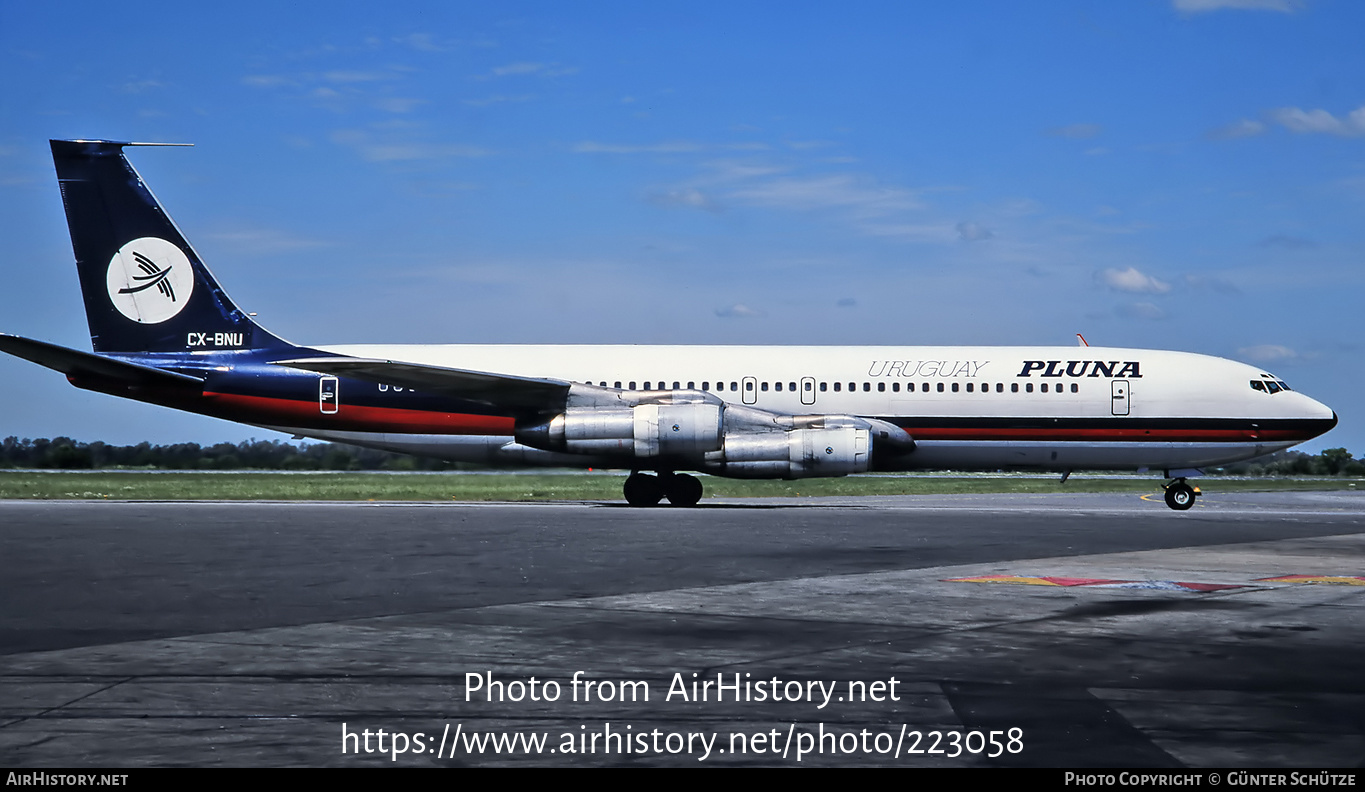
x: 1120, y: 396
x: 328, y: 400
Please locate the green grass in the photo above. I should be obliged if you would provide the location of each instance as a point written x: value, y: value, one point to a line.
x: 126, y: 485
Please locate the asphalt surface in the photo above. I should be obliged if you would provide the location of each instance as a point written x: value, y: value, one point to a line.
x: 1117, y: 633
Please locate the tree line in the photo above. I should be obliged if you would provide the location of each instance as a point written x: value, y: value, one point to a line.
x: 63, y: 453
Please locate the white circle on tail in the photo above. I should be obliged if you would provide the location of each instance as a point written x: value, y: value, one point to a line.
x: 150, y: 280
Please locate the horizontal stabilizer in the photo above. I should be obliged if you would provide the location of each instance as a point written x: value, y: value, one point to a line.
x: 499, y: 390
x: 81, y: 365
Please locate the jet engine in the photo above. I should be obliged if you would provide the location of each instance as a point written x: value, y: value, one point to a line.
x: 695, y: 430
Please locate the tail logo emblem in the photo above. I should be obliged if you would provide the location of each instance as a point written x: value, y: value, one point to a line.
x: 150, y: 280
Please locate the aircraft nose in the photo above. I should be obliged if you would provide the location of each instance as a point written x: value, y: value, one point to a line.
x: 1322, y: 424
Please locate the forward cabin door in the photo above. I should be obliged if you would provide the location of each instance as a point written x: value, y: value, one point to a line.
x: 1120, y: 396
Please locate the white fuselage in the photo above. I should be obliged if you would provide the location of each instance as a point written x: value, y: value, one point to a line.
x: 966, y: 407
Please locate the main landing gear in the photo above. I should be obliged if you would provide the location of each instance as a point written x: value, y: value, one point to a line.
x: 643, y: 489
x: 1179, y: 495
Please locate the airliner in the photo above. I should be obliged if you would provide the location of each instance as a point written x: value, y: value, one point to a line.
x: 165, y: 332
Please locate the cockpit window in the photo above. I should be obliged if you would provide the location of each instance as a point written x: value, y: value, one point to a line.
x: 1269, y: 385
x: 1272, y: 386
x: 1258, y: 385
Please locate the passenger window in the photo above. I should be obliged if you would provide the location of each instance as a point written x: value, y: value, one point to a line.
x: 810, y: 386
x: 734, y: 386
x: 791, y: 386
x: 895, y: 387
x: 969, y: 387
x: 777, y: 386
x: 881, y: 387
x: 940, y: 387
x: 909, y: 387
x: 867, y: 387
x: 999, y: 387
x: 748, y: 386
x: 1014, y: 387
x: 954, y: 387
x: 1029, y: 387
x: 1043, y: 387
x: 823, y: 386
x: 632, y: 384
x: 1075, y: 388
x: 838, y: 386
x: 852, y: 386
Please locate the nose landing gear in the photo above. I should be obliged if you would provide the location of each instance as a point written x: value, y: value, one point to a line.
x: 643, y: 489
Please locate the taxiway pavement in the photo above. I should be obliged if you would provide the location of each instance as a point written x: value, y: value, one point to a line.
x: 1105, y: 629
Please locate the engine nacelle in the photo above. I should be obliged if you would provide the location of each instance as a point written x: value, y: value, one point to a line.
x: 645, y: 431
x: 798, y: 453
x: 694, y: 430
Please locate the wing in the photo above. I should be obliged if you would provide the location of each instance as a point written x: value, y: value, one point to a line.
x: 496, y: 390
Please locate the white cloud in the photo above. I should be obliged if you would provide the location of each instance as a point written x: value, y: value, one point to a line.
x: 1204, y: 6
x: 522, y: 67
x: 262, y: 241
x: 687, y: 197
x: 971, y: 232
x: 670, y: 147
x: 396, y: 104
x: 937, y: 233
x: 528, y: 68
x: 1131, y: 280
x: 1238, y: 129
x: 1268, y: 353
x: 268, y: 80
x: 138, y: 86
x: 391, y: 150
x: 666, y: 147
x: 422, y: 42
x: 867, y: 198
x: 1142, y: 310
x: 1321, y: 121
x: 738, y: 311
x: 357, y: 76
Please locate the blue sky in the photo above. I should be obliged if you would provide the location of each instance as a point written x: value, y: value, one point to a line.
x: 1184, y: 175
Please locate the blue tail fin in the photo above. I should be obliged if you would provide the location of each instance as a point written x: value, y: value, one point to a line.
x: 145, y: 288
